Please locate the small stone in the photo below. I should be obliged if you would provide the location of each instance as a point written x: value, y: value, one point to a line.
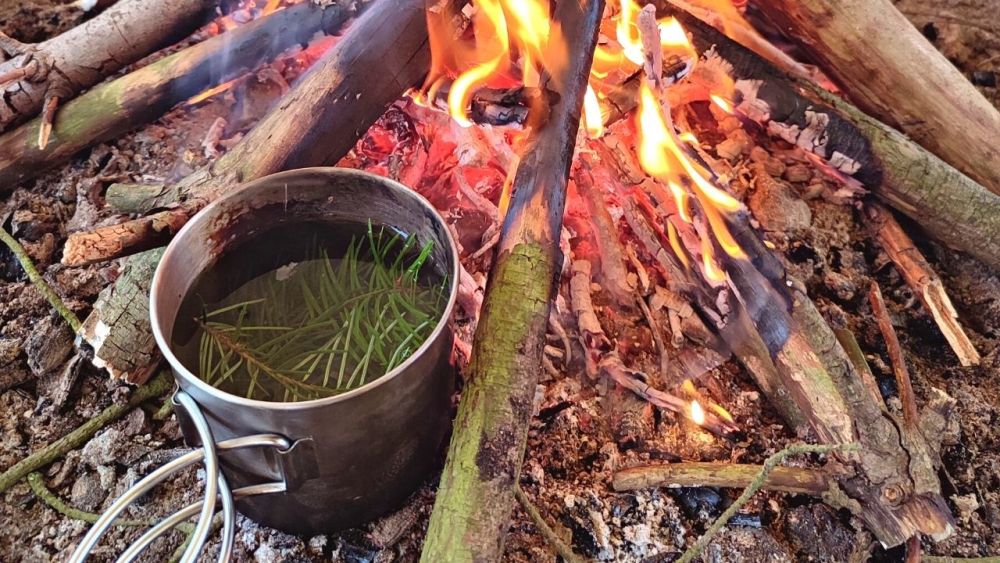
x: 840, y: 285
x: 88, y: 492
x: 966, y: 505
x: 729, y: 149
x: 12, y: 370
x: 813, y: 191
x: 798, y: 173
x: 777, y: 207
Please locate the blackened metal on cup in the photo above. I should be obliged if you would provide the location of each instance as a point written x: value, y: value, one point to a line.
x: 357, y: 455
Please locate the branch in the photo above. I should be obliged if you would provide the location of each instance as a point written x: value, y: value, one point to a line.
x: 793, y: 480
x: 38, y: 281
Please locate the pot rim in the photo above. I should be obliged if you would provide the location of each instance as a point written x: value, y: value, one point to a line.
x: 181, y: 372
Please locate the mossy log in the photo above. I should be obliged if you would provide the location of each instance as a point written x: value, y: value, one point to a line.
x: 115, y: 107
x: 475, y: 499
x: 316, y: 123
x: 61, y: 67
x: 892, y: 72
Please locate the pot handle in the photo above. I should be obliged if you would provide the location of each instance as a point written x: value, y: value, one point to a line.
x: 216, y: 488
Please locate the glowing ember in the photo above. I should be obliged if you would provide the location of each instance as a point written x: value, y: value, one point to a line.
x: 697, y: 413
x: 198, y: 98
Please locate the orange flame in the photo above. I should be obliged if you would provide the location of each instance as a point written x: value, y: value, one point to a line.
x: 198, y: 98
x: 592, y: 116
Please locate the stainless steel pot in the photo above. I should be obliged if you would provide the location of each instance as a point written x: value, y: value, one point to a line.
x: 345, y: 459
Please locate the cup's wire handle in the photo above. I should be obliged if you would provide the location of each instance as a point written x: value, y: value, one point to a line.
x: 215, y: 486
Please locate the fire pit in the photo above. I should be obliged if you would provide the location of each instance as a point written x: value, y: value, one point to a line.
x: 695, y: 249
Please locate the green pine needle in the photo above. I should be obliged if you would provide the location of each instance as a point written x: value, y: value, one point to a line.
x: 330, y: 327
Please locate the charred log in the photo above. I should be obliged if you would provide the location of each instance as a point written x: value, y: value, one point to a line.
x: 137, y: 98
x: 475, y: 499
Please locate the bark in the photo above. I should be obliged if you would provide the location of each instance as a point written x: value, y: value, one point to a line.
x: 890, y: 70
x: 113, y: 108
x: 316, y: 123
x: 83, y: 56
x: 794, y: 480
x: 922, y: 278
x: 474, y: 502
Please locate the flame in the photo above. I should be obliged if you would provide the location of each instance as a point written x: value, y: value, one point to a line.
x: 697, y: 413
x: 592, y: 117
x: 723, y: 103
x: 198, y: 98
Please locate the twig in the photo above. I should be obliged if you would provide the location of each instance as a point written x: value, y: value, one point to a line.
x: 37, y: 483
x: 895, y: 355
x: 857, y: 357
x: 795, y: 480
x: 946, y: 559
x: 38, y: 281
x: 913, y: 550
x: 758, y: 482
x: 48, y: 117
x: 922, y: 279
x: 156, y: 387
x: 560, y: 546
x: 657, y: 337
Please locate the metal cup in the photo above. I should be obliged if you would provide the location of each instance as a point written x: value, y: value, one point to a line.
x: 354, y: 456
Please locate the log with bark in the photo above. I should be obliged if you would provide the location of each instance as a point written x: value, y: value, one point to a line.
x: 34, y: 76
x: 892, y: 72
x: 795, y: 480
x: 316, y: 123
x: 474, y: 502
x: 949, y: 205
x: 110, y: 109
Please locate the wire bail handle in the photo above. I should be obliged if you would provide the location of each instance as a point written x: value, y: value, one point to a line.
x: 217, y: 489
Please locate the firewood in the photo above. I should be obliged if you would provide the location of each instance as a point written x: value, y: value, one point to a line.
x: 317, y: 122
x: 474, y: 502
x: 949, y: 205
x: 892, y: 72
x: 795, y: 480
x: 63, y: 66
x: 115, y: 107
x: 922, y: 279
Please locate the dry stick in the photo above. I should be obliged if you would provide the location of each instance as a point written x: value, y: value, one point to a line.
x: 769, y: 465
x: 472, y: 510
x: 893, y: 72
x: 83, y: 56
x: 38, y: 281
x: 554, y: 540
x: 113, y: 108
x: 46, y: 455
x: 794, y: 480
x: 895, y: 355
x: 857, y: 356
x: 946, y: 559
x: 922, y: 279
x: 315, y: 123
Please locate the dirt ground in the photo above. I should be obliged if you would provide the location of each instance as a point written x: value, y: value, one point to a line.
x: 573, y: 446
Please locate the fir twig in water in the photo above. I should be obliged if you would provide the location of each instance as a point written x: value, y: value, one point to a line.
x: 328, y: 327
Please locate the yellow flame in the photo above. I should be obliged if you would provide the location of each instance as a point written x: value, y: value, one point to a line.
x: 723, y: 103
x: 712, y: 270
x: 490, y: 25
x: 197, y: 98
x: 697, y: 413
x: 675, y: 245
x: 592, y: 116
x: 627, y: 32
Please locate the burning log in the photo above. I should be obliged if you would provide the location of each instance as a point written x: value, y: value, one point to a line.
x: 952, y: 207
x: 118, y: 106
x: 309, y: 126
x: 473, y: 506
x: 920, y: 276
x: 890, y: 70
x: 36, y: 76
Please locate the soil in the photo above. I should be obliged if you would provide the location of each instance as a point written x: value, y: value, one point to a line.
x: 574, y: 443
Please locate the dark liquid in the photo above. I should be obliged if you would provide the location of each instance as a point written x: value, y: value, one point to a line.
x: 309, y: 310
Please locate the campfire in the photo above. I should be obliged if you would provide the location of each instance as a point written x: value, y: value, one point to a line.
x: 675, y: 224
